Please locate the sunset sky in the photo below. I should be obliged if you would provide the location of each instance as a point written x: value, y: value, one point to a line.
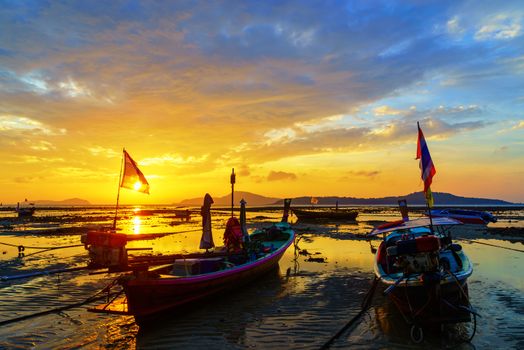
x: 300, y: 97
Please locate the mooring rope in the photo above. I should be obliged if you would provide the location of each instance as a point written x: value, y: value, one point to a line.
x: 42, y: 248
x: 366, y: 302
x: 92, y: 298
x: 493, y: 245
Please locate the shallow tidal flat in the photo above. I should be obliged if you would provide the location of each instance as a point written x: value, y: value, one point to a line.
x: 317, y: 289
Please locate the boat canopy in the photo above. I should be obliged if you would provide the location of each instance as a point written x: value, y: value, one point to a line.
x: 409, y: 224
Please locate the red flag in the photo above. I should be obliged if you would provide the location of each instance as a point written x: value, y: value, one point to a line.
x: 133, y: 177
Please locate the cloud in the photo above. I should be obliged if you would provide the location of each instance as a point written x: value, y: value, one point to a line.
x: 438, y: 123
x: 453, y: 26
x: 17, y: 124
x: 500, y: 27
x: 244, y: 171
x: 365, y: 173
x: 281, y: 176
x: 386, y: 110
x: 98, y: 151
x: 42, y: 146
x: 194, y: 86
x: 172, y: 159
x: 519, y: 125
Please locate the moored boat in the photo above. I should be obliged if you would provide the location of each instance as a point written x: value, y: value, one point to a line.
x: 328, y: 214
x: 25, y: 212
x: 151, y: 292
x: 424, y: 272
x: 475, y: 217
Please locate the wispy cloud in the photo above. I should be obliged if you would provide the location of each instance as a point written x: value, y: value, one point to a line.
x: 20, y: 124
x: 519, y: 125
x: 281, y: 176
x: 501, y: 26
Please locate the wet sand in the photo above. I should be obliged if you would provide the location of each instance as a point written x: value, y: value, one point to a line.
x: 301, y: 305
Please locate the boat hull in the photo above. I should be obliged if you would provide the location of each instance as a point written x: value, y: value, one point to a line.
x: 149, y: 298
x: 434, y: 305
x: 465, y: 216
x: 325, y: 215
x: 434, y: 294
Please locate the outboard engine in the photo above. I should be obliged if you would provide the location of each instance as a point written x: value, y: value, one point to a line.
x: 106, y: 249
x: 415, y: 255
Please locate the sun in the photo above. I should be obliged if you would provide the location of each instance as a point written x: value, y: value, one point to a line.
x: 137, y: 185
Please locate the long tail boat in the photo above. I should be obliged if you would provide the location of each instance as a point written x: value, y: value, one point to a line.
x: 474, y: 217
x: 327, y: 214
x: 154, y: 291
x: 424, y: 272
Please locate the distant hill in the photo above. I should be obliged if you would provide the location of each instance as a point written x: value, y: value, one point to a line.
x: 251, y: 199
x: 416, y: 198
x: 70, y: 201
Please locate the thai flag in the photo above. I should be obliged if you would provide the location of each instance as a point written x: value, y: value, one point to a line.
x: 426, y: 164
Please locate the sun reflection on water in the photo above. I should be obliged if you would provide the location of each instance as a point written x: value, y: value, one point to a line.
x: 137, y: 223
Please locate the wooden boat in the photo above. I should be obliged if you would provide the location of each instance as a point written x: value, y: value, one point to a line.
x: 25, y: 212
x: 424, y: 272
x: 465, y: 216
x: 182, y: 213
x: 153, y: 292
x: 329, y: 214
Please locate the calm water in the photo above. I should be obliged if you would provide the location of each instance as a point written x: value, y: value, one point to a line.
x: 299, y: 306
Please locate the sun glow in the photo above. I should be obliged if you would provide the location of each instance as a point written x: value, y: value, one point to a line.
x: 137, y: 185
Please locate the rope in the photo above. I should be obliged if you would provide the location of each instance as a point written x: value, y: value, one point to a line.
x: 366, y: 302
x: 92, y: 298
x: 493, y: 245
x: 174, y: 233
x: 43, y: 248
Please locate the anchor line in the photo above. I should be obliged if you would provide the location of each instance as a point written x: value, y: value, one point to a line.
x: 366, y: 303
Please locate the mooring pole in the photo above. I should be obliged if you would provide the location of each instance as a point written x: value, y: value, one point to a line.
x: 119, y: 185
x: 232, y: 191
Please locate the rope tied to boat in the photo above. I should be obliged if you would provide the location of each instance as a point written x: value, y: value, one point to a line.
x: 21, y: 247
x: 90, y: 299
x: 366, y: 303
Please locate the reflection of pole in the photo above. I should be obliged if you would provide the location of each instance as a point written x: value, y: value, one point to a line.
x: 430, y: 218
x: 118, y: 194
x: 232, y: 190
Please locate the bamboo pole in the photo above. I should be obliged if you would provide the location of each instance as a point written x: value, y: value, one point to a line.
x: 119, y: 185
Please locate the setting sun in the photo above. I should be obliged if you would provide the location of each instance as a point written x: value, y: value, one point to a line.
x: 137, y: 185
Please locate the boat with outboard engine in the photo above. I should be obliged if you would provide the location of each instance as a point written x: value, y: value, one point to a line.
x: 424, y: 272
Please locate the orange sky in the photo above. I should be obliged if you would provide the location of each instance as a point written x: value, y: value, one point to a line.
x: 298, y: 104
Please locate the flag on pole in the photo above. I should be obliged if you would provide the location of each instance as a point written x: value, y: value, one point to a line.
x: 426, y: 165
x: 133, y: 177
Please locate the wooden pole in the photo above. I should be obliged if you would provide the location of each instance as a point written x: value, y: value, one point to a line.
x: 232, y: 191
x: 430, y: 217
x: 118, y: 193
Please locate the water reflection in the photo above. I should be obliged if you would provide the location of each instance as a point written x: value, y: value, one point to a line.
x: 301, y: 306
x: 137, y: 223
x: 396, y: 329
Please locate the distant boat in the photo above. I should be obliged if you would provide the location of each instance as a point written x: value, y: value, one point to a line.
x: 304, y: 214
x: 25, y: 212
x: 183, y: 214
x: 465, y: 216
